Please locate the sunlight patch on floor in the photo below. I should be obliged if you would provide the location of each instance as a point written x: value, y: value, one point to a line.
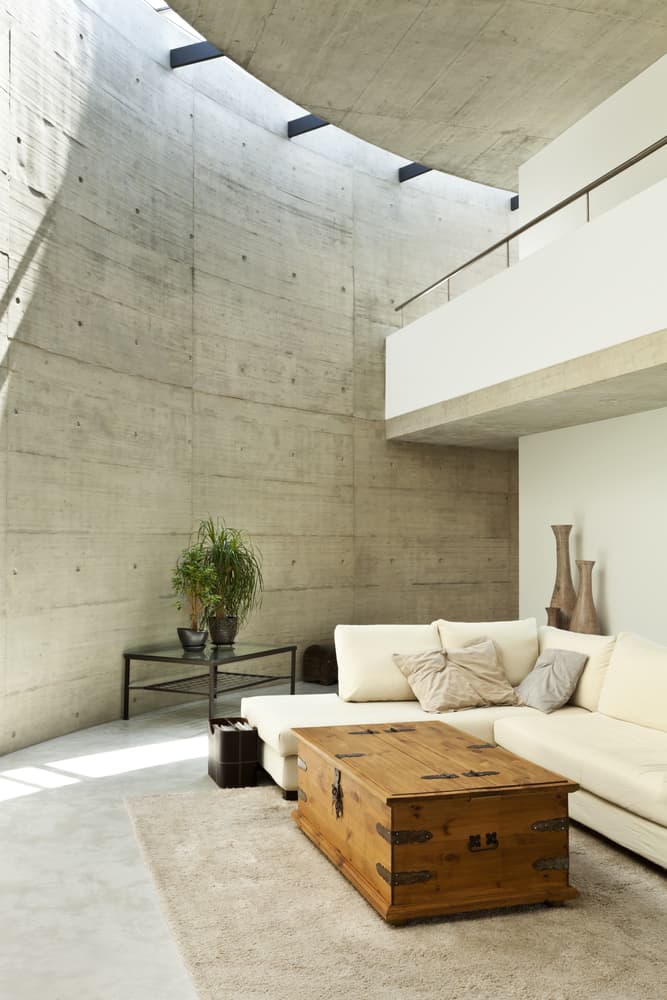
x: 101, y: 765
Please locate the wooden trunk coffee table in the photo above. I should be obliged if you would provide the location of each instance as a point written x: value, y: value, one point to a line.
x: 424, y: 819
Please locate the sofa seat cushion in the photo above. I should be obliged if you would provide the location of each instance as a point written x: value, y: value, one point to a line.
x: 275, y: 716
x: 618, y: 761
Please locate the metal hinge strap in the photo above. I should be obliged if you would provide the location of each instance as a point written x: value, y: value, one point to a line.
x: 403, y: 878
x: 549, y: 825
x: 551, y: 864
x: 403, y: 836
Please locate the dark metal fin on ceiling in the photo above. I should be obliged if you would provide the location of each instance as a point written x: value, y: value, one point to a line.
x: 187, y: 55
x: 411, y: 170
x: 308, y: 123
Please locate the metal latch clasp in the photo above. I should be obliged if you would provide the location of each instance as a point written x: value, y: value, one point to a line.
x: 337, y: 794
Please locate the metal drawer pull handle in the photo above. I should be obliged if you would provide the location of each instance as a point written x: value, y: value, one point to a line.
x: 475, y: 842
x: 478, y: 774
x: 340, y: 756
x: 434, y: 777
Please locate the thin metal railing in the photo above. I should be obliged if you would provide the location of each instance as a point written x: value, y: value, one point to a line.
x: 505, y: 241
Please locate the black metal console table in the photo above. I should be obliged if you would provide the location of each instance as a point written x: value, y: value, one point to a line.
x: 215, y: 680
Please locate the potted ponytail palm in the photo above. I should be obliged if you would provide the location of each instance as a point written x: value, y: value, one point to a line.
x: 194, y: 583
x: 237, y: 565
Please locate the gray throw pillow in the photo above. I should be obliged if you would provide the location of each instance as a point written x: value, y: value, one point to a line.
x: 552, y: 681
x: 452, y: 679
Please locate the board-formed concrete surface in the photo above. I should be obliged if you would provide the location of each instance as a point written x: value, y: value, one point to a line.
x: 193, y: 320
x: 470, y: 88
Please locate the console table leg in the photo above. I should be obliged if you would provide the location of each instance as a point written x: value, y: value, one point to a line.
x: 212, y: 689
x: 293, y: 672
x: 126, y: 688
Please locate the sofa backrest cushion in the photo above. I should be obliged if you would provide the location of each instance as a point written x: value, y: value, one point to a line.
x: 366, y: 670
x: 635, y: 688
x: 517, y: 641
x: 598, y: 649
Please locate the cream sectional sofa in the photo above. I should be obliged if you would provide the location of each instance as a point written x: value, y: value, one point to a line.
x: 611, y: 737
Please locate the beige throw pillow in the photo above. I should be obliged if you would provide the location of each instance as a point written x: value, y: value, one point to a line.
x: 552, y: 681
x: 598, y: 649
x: 451, y: 679
x: 516, y: 642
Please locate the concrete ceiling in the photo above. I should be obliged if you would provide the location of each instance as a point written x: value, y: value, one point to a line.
x: 472, y: 87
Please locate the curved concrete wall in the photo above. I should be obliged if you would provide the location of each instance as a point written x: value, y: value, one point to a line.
x: 193, y: 322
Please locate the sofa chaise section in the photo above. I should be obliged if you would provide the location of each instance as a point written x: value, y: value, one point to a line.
x: 617, y: 754
x: 275, y: 716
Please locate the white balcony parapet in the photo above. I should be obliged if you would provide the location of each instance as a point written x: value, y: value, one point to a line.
x: 599, y: 286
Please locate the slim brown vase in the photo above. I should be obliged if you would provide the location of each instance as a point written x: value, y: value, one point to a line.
x: 585, y: 617
x: 553, y: 616
x: 564, y: 596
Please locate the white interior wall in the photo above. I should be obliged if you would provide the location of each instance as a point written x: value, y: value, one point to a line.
x: 609, y: 480
x: 629, y: 121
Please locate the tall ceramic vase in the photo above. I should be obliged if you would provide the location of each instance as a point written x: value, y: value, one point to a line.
x: 585, y: 617
x: 564, y: 596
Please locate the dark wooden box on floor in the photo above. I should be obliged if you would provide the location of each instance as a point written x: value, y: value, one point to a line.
x: 319, y: 664
x: 424, y: 819
x: 232, y: 753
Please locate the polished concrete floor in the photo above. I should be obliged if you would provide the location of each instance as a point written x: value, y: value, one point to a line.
x: 80, y: 917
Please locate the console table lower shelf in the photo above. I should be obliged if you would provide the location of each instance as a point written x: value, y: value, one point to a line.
x: 216, y: 680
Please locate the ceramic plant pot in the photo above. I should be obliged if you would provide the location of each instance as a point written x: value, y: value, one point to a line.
x: 223, y: 630
x: 192, y: 638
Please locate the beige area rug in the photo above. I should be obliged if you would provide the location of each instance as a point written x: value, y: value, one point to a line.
x: 258, y: 912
